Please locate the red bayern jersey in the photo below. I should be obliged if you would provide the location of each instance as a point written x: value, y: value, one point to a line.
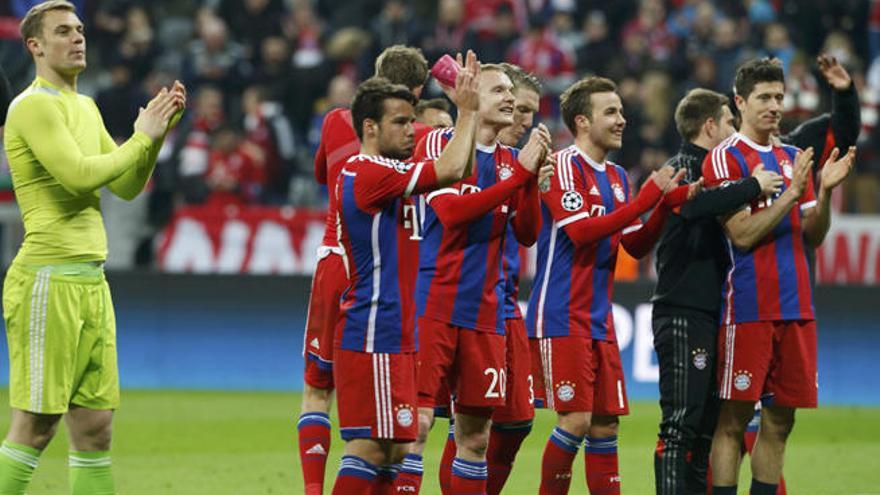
x: 339, y: 142
x: 771, y: 281
x: 377, y: 224
x: 573, y: 286
x: 461, y: 279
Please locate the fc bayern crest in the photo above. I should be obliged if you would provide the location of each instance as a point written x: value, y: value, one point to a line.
x: 504, y: 171
x: 618, y: 193
x: 572, y: 201
x: 565, y: 391
x: 404, y: 415
x: 743, y: 380
x: 787, y: 170
x: 701, y: 359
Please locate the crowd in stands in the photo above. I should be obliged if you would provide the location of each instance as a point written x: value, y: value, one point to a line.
x: 262, y: 73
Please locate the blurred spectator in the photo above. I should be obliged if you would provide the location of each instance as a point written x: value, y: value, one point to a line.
x: 251, y: 21
x: 119, y: 103
x: 448, y: 32
x: 267, y: 128
x: 340, y: 93
x: 777, y: 44
x: 138, y: 48
x: 304, y: 31
x: 395, y: 25
x: 657, y: 98
x: 760, y: 12
x: 207, y: 116
x: 801, y: 93
x: 597, y: 51
x: 540, y: 53
x: 214, y: 58
x: 564, y: 25
x: 727, y: 52
x: 649, y: 27
x: 434, y: 113
x: 493, y: 45
x: 107, y: 26
x: 235, y: 174
x: 274, y: 72
x: 704, y: 75
x: 479, y: 14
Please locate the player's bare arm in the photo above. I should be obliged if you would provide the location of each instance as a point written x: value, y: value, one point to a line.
x: 817, y: 220
x: 457, y: 158
x: 745, y: 230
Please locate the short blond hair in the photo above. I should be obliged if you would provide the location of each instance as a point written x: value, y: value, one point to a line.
x: 32, y: 24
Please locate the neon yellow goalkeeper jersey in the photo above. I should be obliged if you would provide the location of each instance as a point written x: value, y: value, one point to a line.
x: 60, y: 155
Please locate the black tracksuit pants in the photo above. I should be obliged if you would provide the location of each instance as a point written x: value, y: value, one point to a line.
x: 686, y: 345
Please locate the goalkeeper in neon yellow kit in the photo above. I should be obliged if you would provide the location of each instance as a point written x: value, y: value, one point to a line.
x: 56, y: 303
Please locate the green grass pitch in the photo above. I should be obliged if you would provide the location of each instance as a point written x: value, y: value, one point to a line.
x: 194, y: 443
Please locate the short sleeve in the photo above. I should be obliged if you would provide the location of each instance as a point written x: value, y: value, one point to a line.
x: 721, y: 167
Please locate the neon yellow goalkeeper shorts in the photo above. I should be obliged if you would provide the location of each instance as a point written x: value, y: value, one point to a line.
x: 61, y: 332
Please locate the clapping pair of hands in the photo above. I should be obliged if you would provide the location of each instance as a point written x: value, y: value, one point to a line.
x: 162, y: 112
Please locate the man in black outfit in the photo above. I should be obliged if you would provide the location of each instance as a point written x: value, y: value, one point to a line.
x: 691, y: 264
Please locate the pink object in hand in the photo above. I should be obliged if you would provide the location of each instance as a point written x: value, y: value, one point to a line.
x: 445, y: 70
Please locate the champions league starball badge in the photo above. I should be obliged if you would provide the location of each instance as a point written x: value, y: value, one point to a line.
x: 572, y: 201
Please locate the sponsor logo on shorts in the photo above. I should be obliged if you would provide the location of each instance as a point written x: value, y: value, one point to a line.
x: 404, y: 415
x: 565, y: 391
x: 572, y: 201
x: 742, y: 380
x: 700, y: 359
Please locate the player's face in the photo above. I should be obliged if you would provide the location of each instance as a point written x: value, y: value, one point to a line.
x: 762, y: 110
x: 496, y: 98
x: 607, y: 124
x: 396, y: 129
x: 524, y: 110
x: 724, y: 127
x: 436, y: 118
x: 62, y: 45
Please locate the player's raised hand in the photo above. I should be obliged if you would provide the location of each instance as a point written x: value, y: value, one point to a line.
x: 835, y: 170
x: 694, y: 188
x: 770, y: 182
x: 179, y: 92
x: 547, y: 170
x: 662, y: 177
x: 676, y: 179
x: 834, y: 73
x: 153, y: 120
x: 466, y: 93
x: 533, y: 153
x: 803, y: 164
